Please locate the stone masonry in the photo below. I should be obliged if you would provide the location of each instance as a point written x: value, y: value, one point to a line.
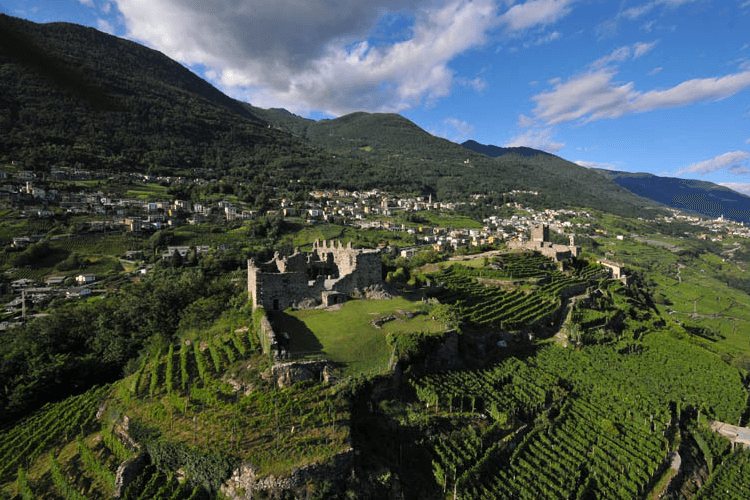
x: 540, y: 243
x: 326, y: 275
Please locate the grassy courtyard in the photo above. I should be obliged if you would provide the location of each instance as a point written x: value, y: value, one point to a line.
x: 347, y: 335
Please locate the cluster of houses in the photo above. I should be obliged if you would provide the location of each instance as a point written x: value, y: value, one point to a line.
x: 28, y: 292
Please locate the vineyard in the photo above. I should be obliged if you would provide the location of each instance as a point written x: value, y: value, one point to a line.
x: 731, y: 481
x: 533, y: 301
x: 50, y: 427
x: 200, y: 405
x: 210, y: 394
x: 574, y: 424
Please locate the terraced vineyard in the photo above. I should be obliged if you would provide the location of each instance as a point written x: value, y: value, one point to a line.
x: 51, y: 426
x: 731, y: 481
x: 509, y: 308
x: 573, y: 424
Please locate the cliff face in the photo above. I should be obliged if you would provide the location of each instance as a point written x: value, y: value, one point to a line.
x: 245, y: 483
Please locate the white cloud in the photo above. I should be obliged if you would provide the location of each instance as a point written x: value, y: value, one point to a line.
x: 640, y: 48
x: 551, y: 37
x: 624, y: 53
x: 538, y: 139
x: 635, y: 12
x: 461, y: 130
x: 593, y: 164
x: 105, y: 26
x: 655, y: 71
x: 734, y: 162
x: 594, y: 95
x: 747, y: 140
x: 87, y: 3
x: 609, y: 27
x: 536, y: 12
x: 313, y: 54
x: 524, y: 121
x: 740, y: 187
x: 478, y: 84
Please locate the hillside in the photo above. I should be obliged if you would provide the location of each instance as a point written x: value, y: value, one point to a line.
x: 703, y: 197
x: 393, y: 151
x: 473, y: 370
x: 495, y: 151
x: 71, y: 95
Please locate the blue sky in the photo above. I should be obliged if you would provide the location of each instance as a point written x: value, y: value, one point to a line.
x: 659, y: 86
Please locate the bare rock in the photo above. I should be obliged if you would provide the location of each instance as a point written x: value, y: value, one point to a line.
x: 128, y: 471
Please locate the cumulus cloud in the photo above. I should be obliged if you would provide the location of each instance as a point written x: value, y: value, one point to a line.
x: 314, y: 54
x: 538, y: 139
x: 734, y: 162
x: 595, y: 95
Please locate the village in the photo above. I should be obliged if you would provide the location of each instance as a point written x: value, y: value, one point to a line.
x: 96, y: 211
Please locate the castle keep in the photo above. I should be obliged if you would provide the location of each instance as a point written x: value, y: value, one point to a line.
x: 326, y: 275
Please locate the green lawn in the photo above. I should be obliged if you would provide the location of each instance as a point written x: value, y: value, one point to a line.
x: 347, y: 336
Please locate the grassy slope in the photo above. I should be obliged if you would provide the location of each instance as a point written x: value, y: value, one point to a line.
x: 698, y: 296
x: 347, y: 336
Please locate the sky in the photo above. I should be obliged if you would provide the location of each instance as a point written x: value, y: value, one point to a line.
x: 658, y: 86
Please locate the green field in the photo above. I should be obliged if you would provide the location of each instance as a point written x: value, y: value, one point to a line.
x: 691, y: 286
x: 347, y: 336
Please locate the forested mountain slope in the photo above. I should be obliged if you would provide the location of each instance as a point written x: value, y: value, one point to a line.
x: 703, y: 197
x: 75, y: 96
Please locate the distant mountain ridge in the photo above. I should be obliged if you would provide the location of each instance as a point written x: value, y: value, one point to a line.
x: 703, y: 197
x: 497, y: 151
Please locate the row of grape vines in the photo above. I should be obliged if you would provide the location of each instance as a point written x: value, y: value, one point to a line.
x: 598, y: 419
x: 191, y: 364
x: 52, y: 425
x: 731, y: 481
x: 495, y: 307
x: 91, y: 473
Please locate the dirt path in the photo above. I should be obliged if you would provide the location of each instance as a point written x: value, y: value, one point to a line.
x: 679, y: 272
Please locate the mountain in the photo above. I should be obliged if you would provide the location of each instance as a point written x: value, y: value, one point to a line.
x: 703, y: 197
x: 74, y: 96
x: 388, y: 151
x: 495, y: 151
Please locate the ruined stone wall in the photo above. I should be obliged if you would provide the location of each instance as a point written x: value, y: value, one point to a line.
x: 245, y: 484
x: 286, y: 282
x: 277, y: 292
x: 295, y: 263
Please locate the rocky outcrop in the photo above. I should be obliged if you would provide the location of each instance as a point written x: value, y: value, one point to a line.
x: 286, y: 374
x: 128, y: 471
x: 245, y: 483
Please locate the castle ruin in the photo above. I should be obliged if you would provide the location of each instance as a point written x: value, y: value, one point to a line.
x: 327, y: 275
x: 540, y: 243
